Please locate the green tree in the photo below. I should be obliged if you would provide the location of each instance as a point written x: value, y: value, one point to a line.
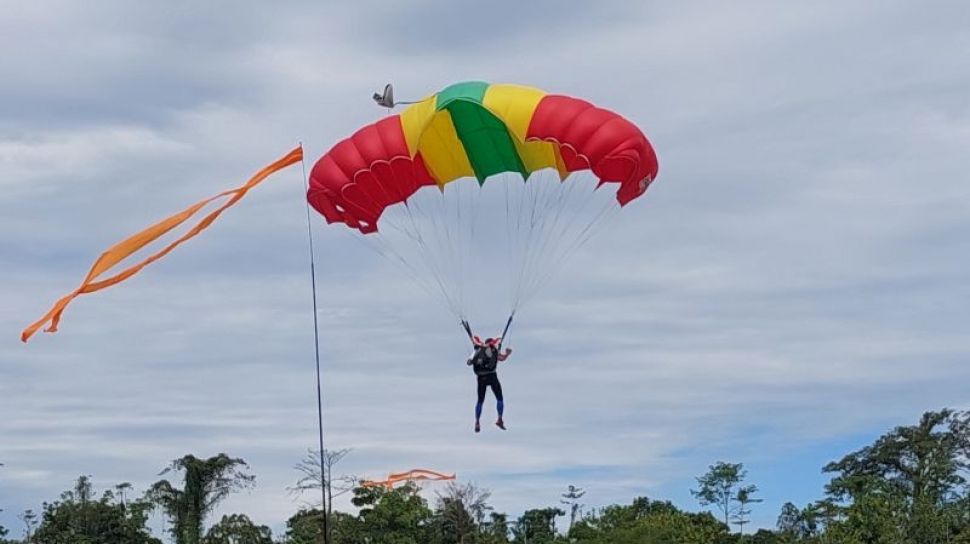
x: 924, y: 461
x: 80, y: 518
x: 763, y: 536
x: 790, y: 521
x: 304, y: 527
x: 205, y: 483
x: 237, y: 529
x: 496, y: 530
x: 904, y: 486
x: 821, y: 515
x: 646, y: 521
x: 877, y: 517
x: 396, y: 516
x: 461, y: 510
x: 537, y: 526
x: 718, y: 485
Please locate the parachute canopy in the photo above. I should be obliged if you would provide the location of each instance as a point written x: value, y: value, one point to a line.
x: 476, y: 129
x: 518, y: 173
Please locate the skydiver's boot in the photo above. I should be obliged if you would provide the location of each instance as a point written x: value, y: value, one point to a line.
x: 478, y: 416
x: 500, y: 424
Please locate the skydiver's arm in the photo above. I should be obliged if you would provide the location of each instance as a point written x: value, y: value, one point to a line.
x: 504, y: 356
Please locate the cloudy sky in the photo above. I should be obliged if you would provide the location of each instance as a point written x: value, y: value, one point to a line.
x: 794, y: 283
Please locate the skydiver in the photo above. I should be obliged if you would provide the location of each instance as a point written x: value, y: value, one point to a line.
x: 485, y: 364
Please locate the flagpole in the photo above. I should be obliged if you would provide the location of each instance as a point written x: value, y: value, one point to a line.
x: 316, y: 346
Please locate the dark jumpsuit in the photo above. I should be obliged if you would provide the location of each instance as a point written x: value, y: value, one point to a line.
x: 485, y: 363
x: 489, y: 380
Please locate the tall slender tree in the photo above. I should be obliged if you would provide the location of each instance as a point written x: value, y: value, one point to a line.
x: 571, y: 499
x: 29, y: 518
x: 122, y: 489
x: 718, y: 487
x: 744, y: 499
x: 312, y: 479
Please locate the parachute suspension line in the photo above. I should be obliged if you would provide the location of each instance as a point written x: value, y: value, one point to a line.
x: 379, y: 245
x: 518, y: 247
x: 522, y: 246
x: 538, y: 234
x: 457, y: 249
x: 508, y: 244
x: 542, y: 214
x: 600, y: 219
x: 474, y: 205
x: 551, y: 256
x: 546, y: 251
x: 386, y: 250
x: 549, y: 240
x: 316, y: 351
x: 447, y: 245
x: 463, y: 235
x: 545, y: 223
x: 537, y: 196
x: 442, y: 255
x: 432, y: 258
x: 410, y: 270
x: 555, y: 229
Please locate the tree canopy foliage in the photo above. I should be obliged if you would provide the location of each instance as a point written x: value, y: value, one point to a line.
x: 910, y: 486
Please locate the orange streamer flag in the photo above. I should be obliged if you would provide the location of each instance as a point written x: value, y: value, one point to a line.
x: 409, y: 476
x: 125, y: 248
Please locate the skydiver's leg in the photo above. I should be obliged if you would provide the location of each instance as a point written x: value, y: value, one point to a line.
x: 482, y: 384
x: 499, y: 400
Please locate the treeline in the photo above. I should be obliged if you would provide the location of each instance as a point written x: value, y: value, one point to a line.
x: 908, y: 487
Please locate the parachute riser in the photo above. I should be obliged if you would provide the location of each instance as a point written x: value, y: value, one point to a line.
x: 508, y: 324
x: 468, y: 330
